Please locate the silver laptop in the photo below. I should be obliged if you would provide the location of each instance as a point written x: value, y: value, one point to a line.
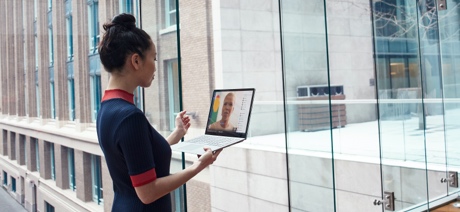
x: 228, y: 121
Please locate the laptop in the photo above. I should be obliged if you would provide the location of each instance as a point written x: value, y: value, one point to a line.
x: 227, y: 123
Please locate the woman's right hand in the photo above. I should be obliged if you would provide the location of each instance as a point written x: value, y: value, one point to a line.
x: 208, y: 157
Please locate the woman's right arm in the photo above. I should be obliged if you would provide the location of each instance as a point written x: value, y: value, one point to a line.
x: 152, y: 191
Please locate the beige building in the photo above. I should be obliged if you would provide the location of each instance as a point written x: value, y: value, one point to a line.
x: 50, y: 157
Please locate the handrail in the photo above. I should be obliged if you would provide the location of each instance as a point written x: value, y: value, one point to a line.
x: 360, y: 101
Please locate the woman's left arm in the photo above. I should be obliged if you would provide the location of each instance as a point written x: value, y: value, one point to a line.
x: 182, y: 125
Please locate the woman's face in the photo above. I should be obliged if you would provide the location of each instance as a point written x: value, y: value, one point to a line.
x: 148, y: 67
x: 227, y: 109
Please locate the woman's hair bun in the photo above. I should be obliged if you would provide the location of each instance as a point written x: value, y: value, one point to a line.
x: 126, y: 20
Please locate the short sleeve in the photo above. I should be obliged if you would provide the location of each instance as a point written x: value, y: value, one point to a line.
x: 134, y: 141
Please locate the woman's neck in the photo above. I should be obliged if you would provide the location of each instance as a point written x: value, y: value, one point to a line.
x: 123, y: 82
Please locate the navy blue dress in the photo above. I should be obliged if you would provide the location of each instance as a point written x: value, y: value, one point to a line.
x: 136, y: 154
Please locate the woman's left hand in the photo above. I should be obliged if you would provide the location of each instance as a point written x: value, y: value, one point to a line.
x: 182, y: 122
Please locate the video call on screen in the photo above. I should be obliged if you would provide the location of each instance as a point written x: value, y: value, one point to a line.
x: 240, y: 115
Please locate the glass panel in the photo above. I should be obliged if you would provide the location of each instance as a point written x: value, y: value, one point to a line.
x: 52, y: 93
x: 157, y: 98
x: 24, y: 148
x: 49, y: 207
x: 53, y: 170
x: 96, y: 179
x: 37, y: 154
x: 305, y: 70
x: 71, y: 165
x: 449, y: 31
x: 71, y: 90
x: 410, y: 116
x: 5, y: 178
x: 69, y: 31
x: 126, y: 6
x: 170, y: 12
x: 13, y: 184
x: 173, y: 91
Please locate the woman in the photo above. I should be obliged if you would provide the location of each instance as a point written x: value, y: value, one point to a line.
x: 138, y: 157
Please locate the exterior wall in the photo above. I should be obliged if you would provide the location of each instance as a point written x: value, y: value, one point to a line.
x: 57, y: 192
x: 357, y: 184
x: 250, y: 30
x: 19, y: 119
x: 197, y: 62
x: 197, y: 66
x: 351, y: 54
x: 247, y: 53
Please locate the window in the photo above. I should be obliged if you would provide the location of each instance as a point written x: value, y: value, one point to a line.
x: 96, y: 93
x: 53, y: 169
x: 13, y: 184
x: 49, y: 207
x: 37, y: 153
x: 71, y: 165
x: 37, y: 93
x: 5, y: 178
x: 13, y: 145
x: 93, y: 13
x: 68, y: 23
x: 51, y: 55
x: 70, y: 75
x: 177, y: 199
x: 23, y: 149
x: 138, y: 97
x: 50, y: 38
x: 96, y: 179
x: 126, y: 6
x: 5, y: 142
x: 53, y: 102
x: 71, y: 90
x: 170, y: 13
x: 173, y: 91
x: 94, y: 62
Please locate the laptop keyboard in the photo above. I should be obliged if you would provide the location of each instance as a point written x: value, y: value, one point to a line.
x: 218, y: 141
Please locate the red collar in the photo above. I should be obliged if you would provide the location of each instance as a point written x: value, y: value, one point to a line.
x: 118, y: 94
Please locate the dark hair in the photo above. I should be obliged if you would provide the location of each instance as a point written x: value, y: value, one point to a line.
x: 122, y: 38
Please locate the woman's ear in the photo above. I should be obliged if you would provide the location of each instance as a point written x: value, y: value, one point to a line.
x: 135, y: 61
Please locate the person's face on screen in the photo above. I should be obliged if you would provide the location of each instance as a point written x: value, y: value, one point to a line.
x: 227, y: 109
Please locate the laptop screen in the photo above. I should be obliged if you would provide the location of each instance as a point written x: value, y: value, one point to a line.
x: 230, y: 112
